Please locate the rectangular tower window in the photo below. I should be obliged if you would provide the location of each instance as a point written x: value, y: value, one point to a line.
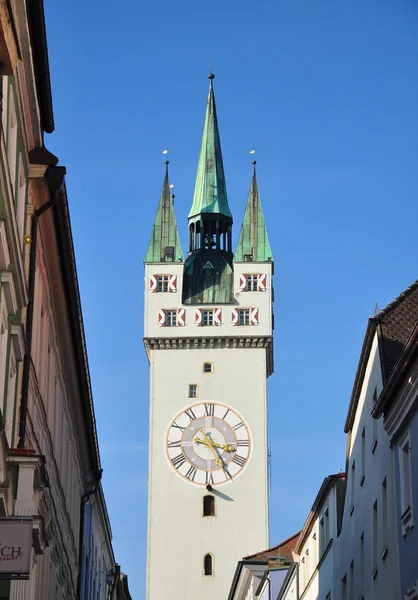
x: 207, y: 367
x: 170, y: 318
x: 207, y: 317
x: 208, y: 506
x: 251, y: 282
x: 244, y: 316
x: 162, y: 283
x: 192, y: 390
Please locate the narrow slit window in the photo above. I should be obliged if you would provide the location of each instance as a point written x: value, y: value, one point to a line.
x: 208, y: 506
x: 208, y: 564
x: 207, y: 367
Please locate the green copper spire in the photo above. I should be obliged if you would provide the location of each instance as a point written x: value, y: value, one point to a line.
x: 210, y: 190
x: 253, y: 244
x: 164, y: 244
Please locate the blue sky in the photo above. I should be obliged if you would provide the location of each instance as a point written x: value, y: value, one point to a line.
x: 327, y: 93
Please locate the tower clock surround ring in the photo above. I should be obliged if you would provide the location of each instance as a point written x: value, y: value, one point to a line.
x: 208, y: 443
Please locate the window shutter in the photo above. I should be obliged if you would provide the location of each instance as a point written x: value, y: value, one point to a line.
x: 152, y: 283
x: 242, y: 282
x: 261, y: 282
x: 217, y: 316
x: 161, y: 318
x: 234, y: 316
x: 253, y: 316
x: 172, y: 284
x: 198, y: 317
x: 180, y: 317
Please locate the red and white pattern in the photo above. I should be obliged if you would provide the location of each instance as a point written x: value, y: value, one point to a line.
x: 242, y: 282
x: 234, y: 316
x: 172, y: 284
x: 161, y: 318
x: 253, y: 316
x: 181, y: 313
x: 152, y: 283
x: 217, y: 316
x: 198, y: 317
x: 261, y: 282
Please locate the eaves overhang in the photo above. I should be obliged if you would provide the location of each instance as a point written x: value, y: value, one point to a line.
x: 72, y: 294
x: 36, y: 19
x: 396, y: 376
x: 361, y: 370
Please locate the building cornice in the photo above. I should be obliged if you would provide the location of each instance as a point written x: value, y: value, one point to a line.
x: 218, y: 342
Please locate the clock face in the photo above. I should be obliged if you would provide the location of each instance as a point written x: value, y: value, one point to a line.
x: 208, y: 443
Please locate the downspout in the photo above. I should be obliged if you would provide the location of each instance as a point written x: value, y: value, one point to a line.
x: 83, y: 502
x: 54, y: 187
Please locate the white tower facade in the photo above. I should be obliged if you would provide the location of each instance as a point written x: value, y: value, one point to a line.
x: 208, y: 337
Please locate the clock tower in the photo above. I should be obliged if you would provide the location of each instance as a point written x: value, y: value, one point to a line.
x: 208, y: 338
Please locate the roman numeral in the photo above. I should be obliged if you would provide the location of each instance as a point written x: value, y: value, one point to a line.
x: 238, y: 425
x: 209, y: 477
x: 224, y: 417
x: 238, y: 460
x: 191, y: 473
x: 178, y: 426
x: 178, y: 460
x: 209, y: 410
x: 173, y: 444
x: 189, y: 412
x: 244, y: 443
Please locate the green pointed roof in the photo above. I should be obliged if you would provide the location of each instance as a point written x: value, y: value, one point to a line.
x: 253, y: 240
x: 210, y: 190
x: 164, y: 233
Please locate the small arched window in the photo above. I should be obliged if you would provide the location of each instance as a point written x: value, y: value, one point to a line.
x: 208, y: 506
x: 208, y: 564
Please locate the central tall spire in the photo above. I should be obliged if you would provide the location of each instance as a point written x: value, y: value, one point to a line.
x: 210, y: 190
x: 208, y: 270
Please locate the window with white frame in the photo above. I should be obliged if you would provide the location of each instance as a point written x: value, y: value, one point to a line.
x: 361, y: 566
x: 344, y: 588
x: 375, y: 540
x: 21, y: 199
x: 162, y: 283
x: 323, y: 532
x: 171, y: 318
x: 384, y: 519
x: 352, y: 486
x: 252, y: 279
x: 363, y: 457
x: 404, y: 454
x: 12, y: 138
x: 244, y: 316
x: 207, y: 317
x: 375, y: 422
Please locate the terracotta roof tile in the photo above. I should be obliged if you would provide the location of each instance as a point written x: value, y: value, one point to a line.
x: 398, y: 321
x: 284, y: 550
